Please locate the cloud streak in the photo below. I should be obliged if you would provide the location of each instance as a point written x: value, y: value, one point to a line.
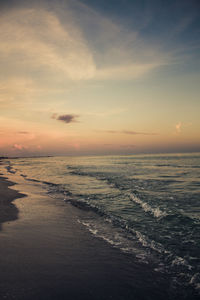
x: 23, y: 132
x: 131, y: 132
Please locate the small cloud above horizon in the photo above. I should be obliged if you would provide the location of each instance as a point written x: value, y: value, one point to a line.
x: 178, y: 127
x: 67, y: 118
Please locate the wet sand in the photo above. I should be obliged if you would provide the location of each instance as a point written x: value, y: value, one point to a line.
x: 8, y: 211
x: 46, y: 254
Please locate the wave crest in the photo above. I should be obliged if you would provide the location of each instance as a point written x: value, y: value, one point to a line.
x: 155, y: 211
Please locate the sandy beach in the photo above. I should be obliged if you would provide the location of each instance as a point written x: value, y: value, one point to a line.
x: 46, y: 254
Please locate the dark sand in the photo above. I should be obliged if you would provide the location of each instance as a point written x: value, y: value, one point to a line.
x: 46, y: 254
x: 8, y: 211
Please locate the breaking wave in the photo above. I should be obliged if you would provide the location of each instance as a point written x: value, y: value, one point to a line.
x: 155, y: 211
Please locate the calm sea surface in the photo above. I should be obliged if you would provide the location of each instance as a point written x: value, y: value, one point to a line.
x: 145, y: 205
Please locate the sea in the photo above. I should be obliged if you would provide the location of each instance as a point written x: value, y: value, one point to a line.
x: 147, y: 206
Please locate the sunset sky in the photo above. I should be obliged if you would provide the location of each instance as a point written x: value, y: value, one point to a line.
x: 99, y: 77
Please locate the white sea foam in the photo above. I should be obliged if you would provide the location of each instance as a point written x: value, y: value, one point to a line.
x: 155, y: 211
x: 110, y: 241
x: 179, y: 261
x: 149, y: 243
x: 142, y: 239
x: 195, y: 281
x: 115, y: 239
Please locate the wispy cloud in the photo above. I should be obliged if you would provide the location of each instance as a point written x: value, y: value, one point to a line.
x: 56, y: 47
x: 119, y: 53
x: 68, y: 118
x: 131, y: 71
x: 66, y: 48
x: 180, y: 127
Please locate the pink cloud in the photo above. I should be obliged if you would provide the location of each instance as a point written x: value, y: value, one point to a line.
x: 19, y: 147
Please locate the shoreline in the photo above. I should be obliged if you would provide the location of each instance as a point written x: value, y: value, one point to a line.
x: 8, y: 210
x: 47, y: 254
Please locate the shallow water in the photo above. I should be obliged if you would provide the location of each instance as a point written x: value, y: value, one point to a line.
x: 147, y: 206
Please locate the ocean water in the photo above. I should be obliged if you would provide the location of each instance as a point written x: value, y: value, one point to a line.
x: 145, y: 205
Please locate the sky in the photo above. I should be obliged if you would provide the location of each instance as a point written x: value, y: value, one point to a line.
x: 96, y: 77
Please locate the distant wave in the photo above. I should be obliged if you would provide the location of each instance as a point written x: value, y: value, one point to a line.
x: 10, y: 169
